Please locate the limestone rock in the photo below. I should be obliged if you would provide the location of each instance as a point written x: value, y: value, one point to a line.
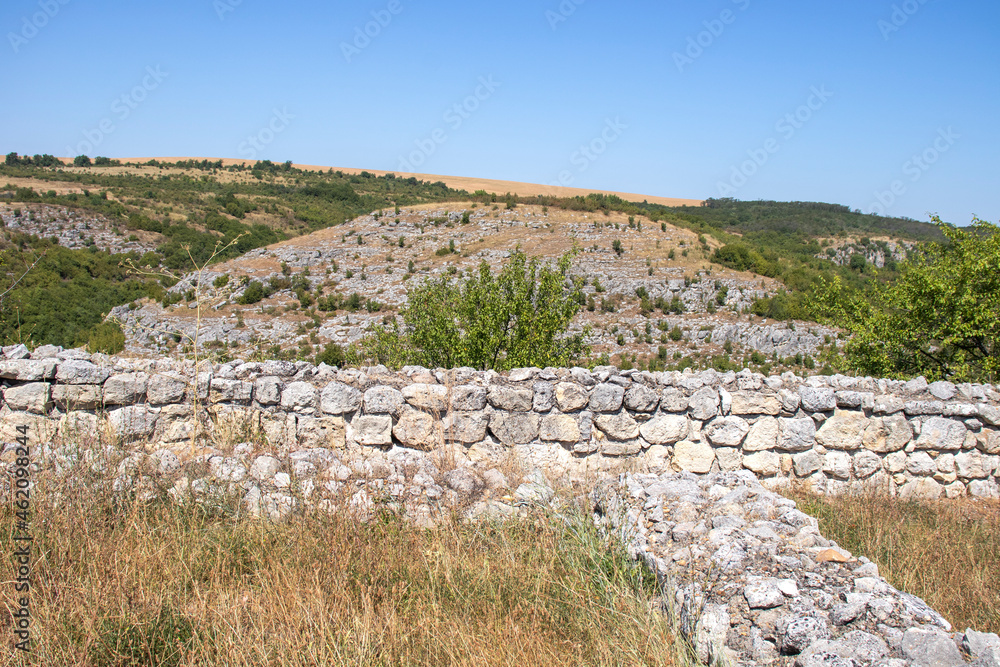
x: 641, y: 398
x: 673, y: 400
x: 267, y: 390
x: 728, y: 431
x: 797, y: 435
x: 559, y: 428
x: 842, y: 431
x: 514, y: 428
x: 696, y: 457
x: 512, y: 400
x: 164, y: 389
x: 939, y: 433
x: 372, y: 430
x: 430, y: 397
x: 468, y: 398
x: 466, y: 427
x: 300, y: 397
x: 817, y: 399
x: 125, y: 388
x: 704, y: 404
x: 763, y: 463
x: 886, y: 434
x: 571, y: 397
x: 665, y: 429
x: 338, y: 398
x: 80, y: 372
x: 418, y: 430
x: 619, y: 426
x: 607, y: 398
x: 35, y: 397
x: 383, y: 400
x: 755, y: 404
x: 764, y: 434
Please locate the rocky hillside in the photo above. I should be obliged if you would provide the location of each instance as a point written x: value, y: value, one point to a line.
x: 652, y: 291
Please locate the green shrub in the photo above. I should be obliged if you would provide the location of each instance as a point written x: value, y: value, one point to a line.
x: 106, y: 337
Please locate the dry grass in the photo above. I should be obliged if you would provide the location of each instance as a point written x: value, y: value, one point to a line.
x: 128, y: 584
x: 946, y: 552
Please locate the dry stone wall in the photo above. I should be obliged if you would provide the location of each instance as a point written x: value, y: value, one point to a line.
x: 913, y: 438
x: 677, y: 465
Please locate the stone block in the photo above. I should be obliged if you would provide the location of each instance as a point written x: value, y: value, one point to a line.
x: 640, y: 398
x: 665, y: 429
x: 941, y: 434
x: 842, y: 431
x: 430, y: 397
x: 383, y: 400
x: 267, y: 390
x: 559, y: 428
x: 514, y: 428
x: 755, y: 404
x: 338, y: 398
x: 619, y: 426
x: 468, y: 398
x: 571, y: 397
x: 35, y: 397
x: 696, y: 457
x: 607, y: 398
x: 510, y: 399
x: 81, y: 372
x: 727, y: 431
x: 125, y: 388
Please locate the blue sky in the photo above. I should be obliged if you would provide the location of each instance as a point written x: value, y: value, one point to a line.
x: 882, y: 106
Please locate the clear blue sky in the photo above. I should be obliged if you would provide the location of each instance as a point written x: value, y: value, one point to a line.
x: 675, y: 121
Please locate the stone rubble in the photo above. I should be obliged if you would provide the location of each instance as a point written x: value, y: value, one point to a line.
x: 753, y: 582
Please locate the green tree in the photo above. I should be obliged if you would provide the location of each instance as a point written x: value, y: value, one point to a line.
x: 517, y: 318
x: 940, y: 318
x: 81, y: 161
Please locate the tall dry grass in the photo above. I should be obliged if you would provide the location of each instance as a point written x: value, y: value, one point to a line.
x: 123, y: 583
x: 946, y: 552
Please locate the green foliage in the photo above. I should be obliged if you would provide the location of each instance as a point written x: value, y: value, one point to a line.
x: 676, y: 333
x: 940, y: 319
x: 81, y: 161
x: 221, y: 281
x: 106, y: 337
x: 254, y: 293
x: 66, y: 294
x: 616, y: 245
x: 332, y: 355
x: 516, y: 318
x: 742, y: 257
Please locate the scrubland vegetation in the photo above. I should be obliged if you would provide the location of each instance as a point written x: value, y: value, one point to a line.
x: 123, y: 583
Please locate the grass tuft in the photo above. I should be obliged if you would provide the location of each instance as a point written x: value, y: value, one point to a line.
x: 124, y: 583
x: 946, y: 552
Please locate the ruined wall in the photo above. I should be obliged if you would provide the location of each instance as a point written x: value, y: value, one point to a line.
x: 836, y: 432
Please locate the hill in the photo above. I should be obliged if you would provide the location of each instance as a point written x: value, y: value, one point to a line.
x: 669, y: 282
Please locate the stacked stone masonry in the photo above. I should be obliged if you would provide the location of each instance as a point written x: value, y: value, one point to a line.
x: 834, y: 433
x: 677, y: 464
